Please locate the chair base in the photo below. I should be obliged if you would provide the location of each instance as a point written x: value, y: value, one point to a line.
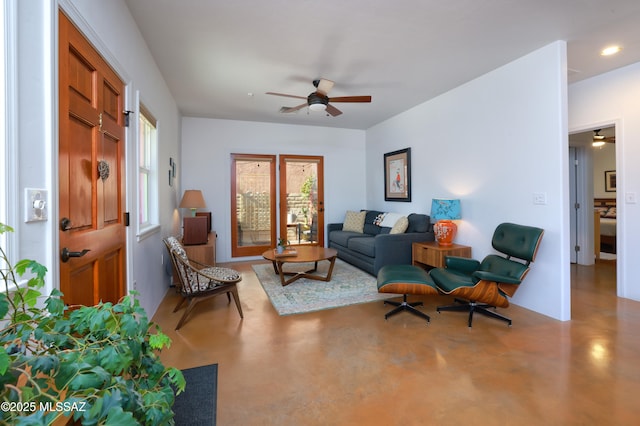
x: 471, y: 306
x: 405, y: 306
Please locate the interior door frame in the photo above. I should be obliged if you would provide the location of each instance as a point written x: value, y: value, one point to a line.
x: 586, y: 192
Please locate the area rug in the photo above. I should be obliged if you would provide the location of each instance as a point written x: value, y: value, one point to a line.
x: 348, y: 286
x: 197, y: 404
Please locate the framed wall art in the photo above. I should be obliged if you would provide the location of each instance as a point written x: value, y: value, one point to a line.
x: 610, y: 181
x: 397, y: 175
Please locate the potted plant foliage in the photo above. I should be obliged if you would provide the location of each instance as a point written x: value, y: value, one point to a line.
x: 94, y: 365
x: 282, y: 245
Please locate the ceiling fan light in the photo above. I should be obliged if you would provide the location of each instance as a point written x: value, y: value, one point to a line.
x: 317, y: 106
x: 597, y: 144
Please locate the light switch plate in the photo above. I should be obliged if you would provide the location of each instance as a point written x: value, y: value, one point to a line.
x: 540, y: 198
x: 630, y: 197
x: 35, y: 205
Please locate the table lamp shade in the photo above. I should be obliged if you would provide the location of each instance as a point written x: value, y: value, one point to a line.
x: 192, y: 199
x: 443, y: 212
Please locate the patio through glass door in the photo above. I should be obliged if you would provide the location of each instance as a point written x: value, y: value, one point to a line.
x: 302, y: 199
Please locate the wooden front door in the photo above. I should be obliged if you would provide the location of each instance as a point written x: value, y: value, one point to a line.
x: 91, y: 173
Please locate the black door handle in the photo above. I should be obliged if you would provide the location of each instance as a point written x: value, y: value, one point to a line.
x: 66, y: 254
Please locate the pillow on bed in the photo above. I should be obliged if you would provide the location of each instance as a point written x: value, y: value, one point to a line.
x: 611, y: 213
x: 602, y: 210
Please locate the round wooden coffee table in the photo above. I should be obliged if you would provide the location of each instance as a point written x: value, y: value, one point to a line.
x: 304, y: 254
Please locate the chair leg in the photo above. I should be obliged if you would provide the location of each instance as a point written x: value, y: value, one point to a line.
x: 471, y: 306
x: 180, y: 302
x: 192, y: 303
x: 236, y: 298
x: 405, y: 306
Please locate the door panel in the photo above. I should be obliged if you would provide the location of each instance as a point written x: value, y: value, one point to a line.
x: 91, y: 132
x: 253, y: 204
x: 302, y: 199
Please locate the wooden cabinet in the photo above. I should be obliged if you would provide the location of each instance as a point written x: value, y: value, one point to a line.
x: 203, y: 253
x: 431, y: 255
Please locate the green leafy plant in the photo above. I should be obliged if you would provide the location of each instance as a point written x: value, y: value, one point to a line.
x: 97, y: 365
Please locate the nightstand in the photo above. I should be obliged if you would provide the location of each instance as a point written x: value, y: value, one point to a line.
x: 431, y: 255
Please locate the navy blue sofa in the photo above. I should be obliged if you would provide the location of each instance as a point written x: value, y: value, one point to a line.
x: 375, y: 247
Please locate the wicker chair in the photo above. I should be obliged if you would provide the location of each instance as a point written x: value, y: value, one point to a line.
x: 199, y: 282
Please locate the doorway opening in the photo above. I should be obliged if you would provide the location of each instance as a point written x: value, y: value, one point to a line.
x: 593, y: 196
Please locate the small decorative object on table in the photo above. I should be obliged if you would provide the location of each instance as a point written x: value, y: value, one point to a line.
x: 282, y: 245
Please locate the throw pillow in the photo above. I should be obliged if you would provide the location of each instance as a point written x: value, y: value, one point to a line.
x: 354, y: 221
x: 390, y: 219
x: 378, y: 220
x: 400, y: 226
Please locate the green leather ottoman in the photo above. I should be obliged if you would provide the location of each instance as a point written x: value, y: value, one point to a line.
x: 405, y: 279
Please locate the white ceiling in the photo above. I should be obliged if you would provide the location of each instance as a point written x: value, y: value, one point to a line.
x: 213, y: 53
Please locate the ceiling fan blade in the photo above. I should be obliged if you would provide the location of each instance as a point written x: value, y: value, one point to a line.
x: 284, y: 94
x: 351, y: 99
x: 333, y: 110
x: 324, y: 86
x: 292, y: 109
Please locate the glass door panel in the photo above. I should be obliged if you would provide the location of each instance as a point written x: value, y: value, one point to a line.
x: 253, y: 208
x: 302, y: 199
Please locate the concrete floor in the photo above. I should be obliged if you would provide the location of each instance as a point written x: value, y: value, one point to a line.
x: 349, y: 366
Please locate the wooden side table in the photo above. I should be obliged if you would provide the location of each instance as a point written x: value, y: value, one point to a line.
x: 431, y: 255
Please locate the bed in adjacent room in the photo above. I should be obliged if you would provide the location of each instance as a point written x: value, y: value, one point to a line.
x: 604, y: 225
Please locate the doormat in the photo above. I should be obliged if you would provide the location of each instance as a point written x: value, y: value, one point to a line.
x: 198, y: 403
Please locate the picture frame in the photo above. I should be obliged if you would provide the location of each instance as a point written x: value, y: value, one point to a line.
x: 397, y: 175
x: 610, y: 181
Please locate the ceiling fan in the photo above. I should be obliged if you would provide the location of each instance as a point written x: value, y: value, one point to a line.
x: 600, y: 140
x: 319, y: 101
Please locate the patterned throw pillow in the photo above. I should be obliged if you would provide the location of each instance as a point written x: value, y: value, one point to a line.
x: 390, y: 219
x: 354, y: 221
x: 378, y: 220
x: 400, y: 226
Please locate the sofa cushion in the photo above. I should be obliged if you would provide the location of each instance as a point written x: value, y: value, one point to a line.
x: 354, y: 221
x: 363, y: 245
x: 400, y: 226
x: 418, y: 223
x: 342, y: 237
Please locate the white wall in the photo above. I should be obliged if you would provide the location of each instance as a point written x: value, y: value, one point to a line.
x: 208, y: 143
x: 613, y: 98
x: 493, y: 142
x: 110, y: 27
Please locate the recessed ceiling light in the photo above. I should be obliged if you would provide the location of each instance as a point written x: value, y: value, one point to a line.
x: 611, y: 50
